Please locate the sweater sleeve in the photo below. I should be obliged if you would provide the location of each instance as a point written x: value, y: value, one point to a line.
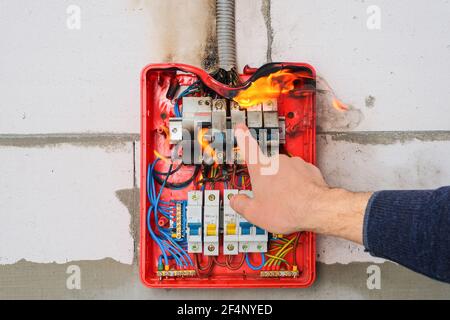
x: 411, y: 228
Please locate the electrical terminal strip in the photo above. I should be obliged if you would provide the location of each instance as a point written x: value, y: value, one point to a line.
x: 194, y: 221
x: 176, y: 273
x: 230, y: 224
x: 178, y: 219
x: 251, y: 238
x: 211, y: 223
x: 279, y: 274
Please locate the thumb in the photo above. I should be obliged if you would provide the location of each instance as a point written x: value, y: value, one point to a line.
x: 242, y: 204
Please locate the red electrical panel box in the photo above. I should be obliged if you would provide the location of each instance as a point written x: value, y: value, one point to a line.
x: 160, y: 87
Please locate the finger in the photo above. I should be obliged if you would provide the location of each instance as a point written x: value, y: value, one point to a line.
x: 242, y: 204
x: 248, y: 147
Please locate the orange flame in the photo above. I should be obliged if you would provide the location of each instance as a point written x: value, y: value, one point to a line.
x: 266, y: 88
x: 207, y: 149
x: 338, y: 105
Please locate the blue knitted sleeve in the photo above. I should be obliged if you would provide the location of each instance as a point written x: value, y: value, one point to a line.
x: 411, y: 228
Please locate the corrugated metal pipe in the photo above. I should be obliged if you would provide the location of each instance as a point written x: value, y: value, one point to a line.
x: 226, y: 33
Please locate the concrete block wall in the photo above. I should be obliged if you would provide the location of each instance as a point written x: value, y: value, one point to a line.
x: 69, y: 128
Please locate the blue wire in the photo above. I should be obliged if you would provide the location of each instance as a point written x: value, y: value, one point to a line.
x: 176, y: 107
x: 170, y: 249
x: 255, y: 268
x: 154, y: 237
x: 151, y: 208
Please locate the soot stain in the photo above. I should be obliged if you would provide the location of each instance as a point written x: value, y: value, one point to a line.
x: 370, y: 101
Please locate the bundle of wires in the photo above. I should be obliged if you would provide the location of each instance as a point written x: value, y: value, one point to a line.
x: 194, y: 88
x: 171, y: 248
x: 236, y: 178
x: 277, y: 254
x: 159, y: 178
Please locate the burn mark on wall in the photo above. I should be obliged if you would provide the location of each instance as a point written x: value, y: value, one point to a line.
x: 266, y: 10
x: 130, y: 199
x: 328, y: 117
x: 331, y: 119
x: 209, y: 55
x: 180, y: 31
x: 370, y: 101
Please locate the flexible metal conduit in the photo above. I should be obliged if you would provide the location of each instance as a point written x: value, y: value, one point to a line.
x: 225, y: 31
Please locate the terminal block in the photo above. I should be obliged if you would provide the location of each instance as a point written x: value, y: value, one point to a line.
x: 280, y: 274
x: 176, y: 273
x: 251, y: 238
x: 178, y: 221
x: 230, y: 224
x: 211, y: 223
x: 194, y: 221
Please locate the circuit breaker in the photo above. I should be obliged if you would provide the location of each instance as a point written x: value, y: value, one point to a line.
x: 211, y: 223
x: 194, y: 225
x: 210, y: 116
x: 230, y: 224
x: 251, y: 237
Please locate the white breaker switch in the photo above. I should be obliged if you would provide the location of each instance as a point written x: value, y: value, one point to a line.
x: 251, y: 237
x: 237, y: 117
x: 230, y: 224
x: 194, y: 221
x: 211, y: 223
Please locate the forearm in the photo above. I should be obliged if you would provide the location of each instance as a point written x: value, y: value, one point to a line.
x: 341, y: 214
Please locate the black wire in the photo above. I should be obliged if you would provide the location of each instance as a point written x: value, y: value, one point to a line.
x: 178, y: 185
x: 171, y: 171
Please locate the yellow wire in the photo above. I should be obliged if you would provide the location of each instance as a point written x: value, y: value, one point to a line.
x: 284, y: 254
x: 287, y: 244
x: 160, y: 156
x: 270, y: 261
x: 277, y: 258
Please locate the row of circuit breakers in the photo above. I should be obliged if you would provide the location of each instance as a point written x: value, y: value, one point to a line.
x: 205, y: 220
x: 204, y: 112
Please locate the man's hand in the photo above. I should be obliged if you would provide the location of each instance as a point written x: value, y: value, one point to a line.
x: 295, y: 197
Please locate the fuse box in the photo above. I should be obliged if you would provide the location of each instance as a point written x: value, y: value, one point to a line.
x: 191, y: 167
